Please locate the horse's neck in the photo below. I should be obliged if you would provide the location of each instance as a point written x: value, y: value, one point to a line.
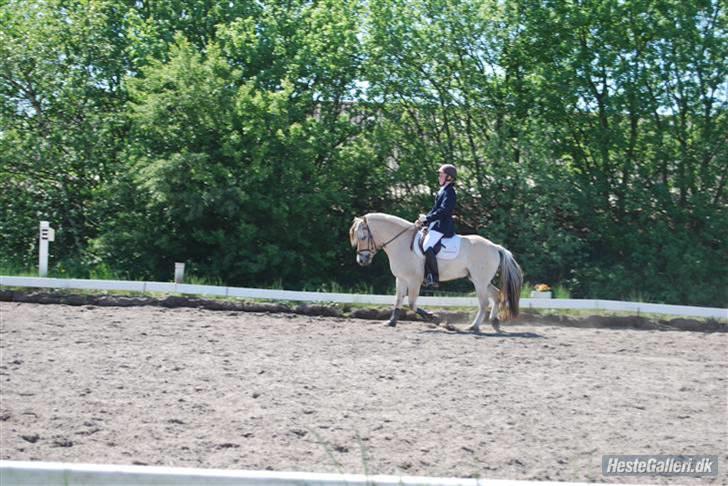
x: 388, y: 228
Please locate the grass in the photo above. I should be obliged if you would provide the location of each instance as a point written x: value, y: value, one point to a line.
x: 195, y: 280
x: 561, y: 292
x: 557, y: 292
x: 18, y: 271
x: 583, y: 313
x: 104, y: 272
x: 98, y: 272
x: 336, y: 288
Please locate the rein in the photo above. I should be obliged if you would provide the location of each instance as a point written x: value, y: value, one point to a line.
x: 372, y: 245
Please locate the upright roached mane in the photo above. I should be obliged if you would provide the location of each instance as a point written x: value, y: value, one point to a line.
x: 479, y: 260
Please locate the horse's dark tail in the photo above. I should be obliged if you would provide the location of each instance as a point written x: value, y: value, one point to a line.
x: 511, y: 281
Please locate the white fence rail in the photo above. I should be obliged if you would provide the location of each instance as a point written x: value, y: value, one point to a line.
x: 18, y: 473
x: 341, y: 298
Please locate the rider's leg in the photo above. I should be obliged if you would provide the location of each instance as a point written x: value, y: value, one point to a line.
x: 431, y: 246
x: 431, y: 277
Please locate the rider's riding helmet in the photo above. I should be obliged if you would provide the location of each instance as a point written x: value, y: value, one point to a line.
x: 449, y: 170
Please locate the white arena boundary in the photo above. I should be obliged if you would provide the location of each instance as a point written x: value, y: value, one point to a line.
x: 342, y: 298
x: 22, y: 473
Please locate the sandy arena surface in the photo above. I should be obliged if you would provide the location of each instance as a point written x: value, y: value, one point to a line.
x: 195, y: 388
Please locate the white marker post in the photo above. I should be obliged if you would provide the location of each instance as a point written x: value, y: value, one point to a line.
x: 179, y: 273
x: 46, y: 234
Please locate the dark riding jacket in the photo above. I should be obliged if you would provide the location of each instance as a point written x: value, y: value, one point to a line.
x: 441, y: 212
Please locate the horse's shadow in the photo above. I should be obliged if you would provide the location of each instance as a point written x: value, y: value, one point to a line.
x: 481, y: 335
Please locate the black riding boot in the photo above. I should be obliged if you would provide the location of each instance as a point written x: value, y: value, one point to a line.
x: 431, y: 274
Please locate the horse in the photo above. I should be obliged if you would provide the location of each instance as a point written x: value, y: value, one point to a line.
x: 478, y: 260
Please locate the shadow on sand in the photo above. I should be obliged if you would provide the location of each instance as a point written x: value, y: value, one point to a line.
x: 452, y: 330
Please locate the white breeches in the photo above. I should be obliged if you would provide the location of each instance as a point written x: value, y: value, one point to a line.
x: 431, y: 239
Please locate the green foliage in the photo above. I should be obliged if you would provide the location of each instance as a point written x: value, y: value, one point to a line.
x: 241, y: 138
x: 60, y: 98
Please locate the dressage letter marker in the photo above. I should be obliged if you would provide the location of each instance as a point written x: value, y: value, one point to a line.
x: 46, y: 234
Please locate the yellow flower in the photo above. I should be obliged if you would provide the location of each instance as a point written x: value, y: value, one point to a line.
x: 542, y: 288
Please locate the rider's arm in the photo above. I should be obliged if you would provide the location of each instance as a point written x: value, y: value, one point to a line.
x: 445, y: 208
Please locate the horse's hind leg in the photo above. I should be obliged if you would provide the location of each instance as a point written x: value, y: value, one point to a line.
x: 483, y: 297
x: 493, y: 294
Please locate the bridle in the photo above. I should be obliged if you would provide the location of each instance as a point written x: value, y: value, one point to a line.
x: 372, y: 247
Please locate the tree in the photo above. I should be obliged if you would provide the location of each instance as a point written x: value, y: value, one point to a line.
x: 239, y: 152
x: 60, y: 99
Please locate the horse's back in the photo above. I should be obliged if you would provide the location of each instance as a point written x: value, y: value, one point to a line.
x: 481, y: 253
x: 481, y: 241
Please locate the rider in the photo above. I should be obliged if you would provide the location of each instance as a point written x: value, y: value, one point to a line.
x: 440, y: 222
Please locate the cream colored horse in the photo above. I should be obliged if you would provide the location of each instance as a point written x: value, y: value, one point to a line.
x: 479, y: 260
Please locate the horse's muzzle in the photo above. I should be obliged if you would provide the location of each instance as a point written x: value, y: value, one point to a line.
x: 363, y: 259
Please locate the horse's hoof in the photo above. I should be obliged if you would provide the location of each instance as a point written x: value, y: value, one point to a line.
x: 475, y: 329
x: 391, y: 324
x: 496, y: 326
x: 450, y: 327
x: 429, y: 316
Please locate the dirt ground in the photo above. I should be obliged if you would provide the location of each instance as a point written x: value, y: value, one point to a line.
x: 218, y: 389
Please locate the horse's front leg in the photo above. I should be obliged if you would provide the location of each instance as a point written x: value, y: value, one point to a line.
x: 399, y: 297
x: 413, y: 293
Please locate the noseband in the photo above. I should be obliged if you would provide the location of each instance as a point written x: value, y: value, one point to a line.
x: 372, y: 247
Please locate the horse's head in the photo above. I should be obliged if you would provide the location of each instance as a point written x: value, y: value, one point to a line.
x: 360, y: 236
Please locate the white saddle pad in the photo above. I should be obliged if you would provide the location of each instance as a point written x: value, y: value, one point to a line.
x: 450, y: 247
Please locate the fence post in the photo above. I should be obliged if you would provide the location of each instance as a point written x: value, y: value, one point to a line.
x: 179, y: 273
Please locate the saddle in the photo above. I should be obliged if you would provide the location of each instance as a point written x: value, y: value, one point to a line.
x: 449, y: 247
